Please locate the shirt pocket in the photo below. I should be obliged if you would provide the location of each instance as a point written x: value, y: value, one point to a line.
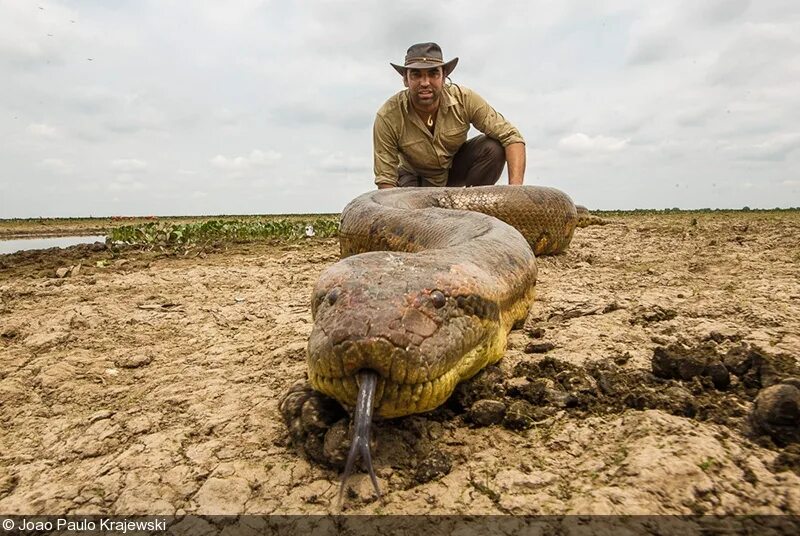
x: 418, y: 153
x: 453, y: 138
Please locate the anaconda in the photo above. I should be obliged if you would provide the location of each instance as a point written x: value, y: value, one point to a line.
x: 430, y: 283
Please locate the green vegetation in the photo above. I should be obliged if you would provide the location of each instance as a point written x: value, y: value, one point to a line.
x: 660, y: 211
x: 708, y: 464
x: 173, y: 234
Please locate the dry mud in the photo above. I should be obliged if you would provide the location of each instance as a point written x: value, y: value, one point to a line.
x: 144, y: 382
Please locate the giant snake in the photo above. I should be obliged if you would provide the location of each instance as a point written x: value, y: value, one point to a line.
x: 430, y: 283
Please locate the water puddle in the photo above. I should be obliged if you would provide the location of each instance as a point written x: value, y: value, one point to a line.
x: 24, y: 244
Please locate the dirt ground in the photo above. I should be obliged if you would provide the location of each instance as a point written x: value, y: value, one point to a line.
x: 148, y: 382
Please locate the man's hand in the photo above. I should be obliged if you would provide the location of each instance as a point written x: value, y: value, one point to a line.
x: 383, y: 185
x: 515, y: 156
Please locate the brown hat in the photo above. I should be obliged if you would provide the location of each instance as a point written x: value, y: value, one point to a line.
x: 425, y: 56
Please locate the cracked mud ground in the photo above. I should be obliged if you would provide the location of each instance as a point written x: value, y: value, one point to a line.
x: 149, y: 383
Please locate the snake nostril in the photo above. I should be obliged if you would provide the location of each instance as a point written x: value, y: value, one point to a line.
x: 333, y: 295
x: 438, y: 299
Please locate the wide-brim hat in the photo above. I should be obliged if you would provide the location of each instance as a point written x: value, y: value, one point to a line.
x: 425, y: 56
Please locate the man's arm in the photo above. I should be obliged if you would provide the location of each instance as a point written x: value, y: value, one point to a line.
x: 515, y: 156
x: 493, y: 124
x: 385, y: 153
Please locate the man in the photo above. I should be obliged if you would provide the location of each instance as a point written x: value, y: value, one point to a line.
x: 420, y: 134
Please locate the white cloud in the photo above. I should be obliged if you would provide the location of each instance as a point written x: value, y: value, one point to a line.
x: 240, y: 164
x: 126, y: 183
x: 581, y: 143
x: 56, y: 165
x: 339, y: 162
x: 43, y: 130
x: 129, y: 165
x: 773, y: 149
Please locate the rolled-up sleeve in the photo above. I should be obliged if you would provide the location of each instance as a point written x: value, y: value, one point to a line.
x: 489, y: 121
x: 385, y: 150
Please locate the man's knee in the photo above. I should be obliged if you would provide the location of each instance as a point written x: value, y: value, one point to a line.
x: 493, y: 149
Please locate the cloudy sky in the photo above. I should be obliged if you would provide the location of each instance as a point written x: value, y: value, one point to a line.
x: 138, y: 107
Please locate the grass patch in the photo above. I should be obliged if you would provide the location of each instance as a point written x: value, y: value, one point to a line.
x: 170, y: 234
x: 708, y: 464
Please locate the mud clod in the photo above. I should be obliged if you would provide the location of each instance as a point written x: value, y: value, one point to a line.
x: 317, y: 424
x: 486, y: 412
x: 539, y: 347
x: 488, y: 384
x: 336, y: 444
x: 681, y: 363
x: 536, y: 333
x: 133, y: 361
x: 436, y: 464
x: 776, y: 412
x: 521, y: 415
x: 646, y: 315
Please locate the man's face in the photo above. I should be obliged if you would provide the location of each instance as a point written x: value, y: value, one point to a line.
x: 424, y: 85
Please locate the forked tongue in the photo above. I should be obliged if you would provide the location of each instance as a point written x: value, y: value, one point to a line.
x: 362, y: 419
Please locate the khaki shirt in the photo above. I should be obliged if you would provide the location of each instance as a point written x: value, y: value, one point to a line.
x: 401, y: 140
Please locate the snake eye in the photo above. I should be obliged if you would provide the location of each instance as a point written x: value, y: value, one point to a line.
x: 333, y: 295
x: 438, y: 299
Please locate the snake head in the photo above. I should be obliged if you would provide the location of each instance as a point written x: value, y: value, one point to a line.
x: 420, y: 335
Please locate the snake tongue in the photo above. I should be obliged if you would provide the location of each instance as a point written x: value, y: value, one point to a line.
x: 362, y: 420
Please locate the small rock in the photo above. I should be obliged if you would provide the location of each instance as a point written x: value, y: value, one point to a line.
x: 776, y: 411
x: 75, y: 270
x: 487, y: 412
x: 645, y: 315
x: 62, y: 272
x: 718, y: 374
x: 678, y: 362
x: 613, y: 306
x: 336, y: 444
x: 133, y: 361
x: 534, y: 391
x: 738, y: 360
x: 539, y: 347
x: 536, y: 333
x: 435, y: 465
x: 100, y: 415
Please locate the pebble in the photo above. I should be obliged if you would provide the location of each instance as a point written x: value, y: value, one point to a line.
x: 133, y: 361
x: 100, y: 415
x: 487, y: 412
x: 539, y: 347
x: 776, y: 411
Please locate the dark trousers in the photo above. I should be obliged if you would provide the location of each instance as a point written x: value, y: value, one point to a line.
x: 479, y: 162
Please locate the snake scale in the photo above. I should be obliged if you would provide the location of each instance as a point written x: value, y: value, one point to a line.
x: 430, y: 283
